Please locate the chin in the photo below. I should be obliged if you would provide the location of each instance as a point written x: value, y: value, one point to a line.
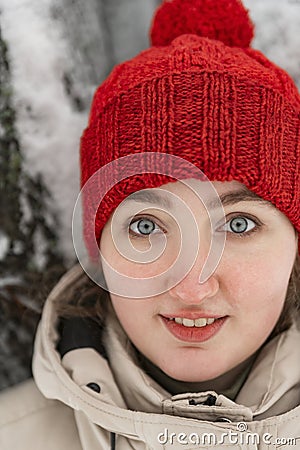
x: 191, y: 374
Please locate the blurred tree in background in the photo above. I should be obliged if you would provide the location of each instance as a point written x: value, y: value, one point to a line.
x: 30, y: 259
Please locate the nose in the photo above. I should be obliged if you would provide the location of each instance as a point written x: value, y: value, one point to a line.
x: 191, y: 291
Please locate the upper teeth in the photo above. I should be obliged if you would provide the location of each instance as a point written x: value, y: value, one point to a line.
x: 201, y: 322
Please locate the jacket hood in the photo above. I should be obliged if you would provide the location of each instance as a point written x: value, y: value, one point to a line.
x: 133, y: 406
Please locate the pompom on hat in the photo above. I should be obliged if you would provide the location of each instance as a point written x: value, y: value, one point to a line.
x: 225, y: 21
x: 203, y: 94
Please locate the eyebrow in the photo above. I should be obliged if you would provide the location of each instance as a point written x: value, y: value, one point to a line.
x: 155, y: 198
x: 226, y: 199
x: 242, y: 195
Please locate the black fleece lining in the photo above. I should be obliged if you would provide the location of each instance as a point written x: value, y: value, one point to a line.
x: 79, y: 332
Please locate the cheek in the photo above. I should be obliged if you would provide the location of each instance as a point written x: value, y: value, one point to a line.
x: 257, y: 284
x: 132, y: 314
x: 141, y: 265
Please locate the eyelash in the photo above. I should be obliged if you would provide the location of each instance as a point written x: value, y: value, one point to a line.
x: 138, y: 219
x: 245, y: 234
x: 232, y: 234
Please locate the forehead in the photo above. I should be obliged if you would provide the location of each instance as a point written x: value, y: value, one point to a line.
x: 212, y: 194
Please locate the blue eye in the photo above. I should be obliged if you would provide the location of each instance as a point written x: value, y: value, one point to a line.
x: 240, y: 225
x: 144, y: 227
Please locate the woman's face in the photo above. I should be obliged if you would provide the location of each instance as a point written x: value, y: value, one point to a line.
x: 196, y: 331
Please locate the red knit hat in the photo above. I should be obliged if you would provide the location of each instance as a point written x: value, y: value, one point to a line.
x: 200, y: 93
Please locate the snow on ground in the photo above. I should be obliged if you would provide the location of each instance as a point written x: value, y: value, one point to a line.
x: 56, y: 48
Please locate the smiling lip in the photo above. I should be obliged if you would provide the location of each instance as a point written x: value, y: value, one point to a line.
x: 193, y: 334
x: 192, y: 315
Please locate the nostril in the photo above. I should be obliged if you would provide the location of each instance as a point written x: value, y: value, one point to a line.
x: 191, y: 291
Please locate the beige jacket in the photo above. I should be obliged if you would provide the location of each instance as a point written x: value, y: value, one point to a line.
x: 58, y: 411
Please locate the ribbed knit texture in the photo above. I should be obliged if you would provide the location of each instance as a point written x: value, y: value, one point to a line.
x: 228, y: 110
